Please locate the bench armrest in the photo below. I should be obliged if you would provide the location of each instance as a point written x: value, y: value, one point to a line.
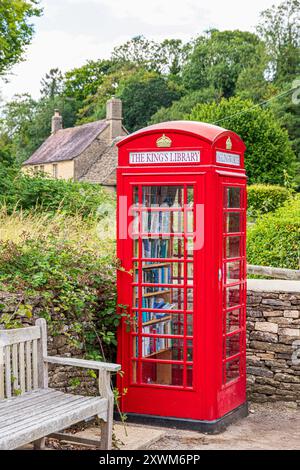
x: 72, y: 361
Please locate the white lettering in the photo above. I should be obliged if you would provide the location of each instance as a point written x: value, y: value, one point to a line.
x: 145, y: 158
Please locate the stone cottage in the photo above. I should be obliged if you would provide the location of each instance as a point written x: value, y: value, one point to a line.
x: 82, y: 153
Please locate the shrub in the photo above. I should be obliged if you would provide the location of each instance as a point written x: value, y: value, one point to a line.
x: 263, y: 198
x: 70, y: 269
x: 269, y: 153
x: 49, y: 195
x: 274, y: 240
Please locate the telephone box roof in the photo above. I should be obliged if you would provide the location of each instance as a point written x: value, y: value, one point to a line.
x: 208, y: 132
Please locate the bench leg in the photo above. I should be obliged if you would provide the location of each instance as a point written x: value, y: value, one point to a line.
x: 106, y: 427
x: 39, y: 444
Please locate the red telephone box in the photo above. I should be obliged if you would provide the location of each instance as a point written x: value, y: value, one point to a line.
x: 181, y: 246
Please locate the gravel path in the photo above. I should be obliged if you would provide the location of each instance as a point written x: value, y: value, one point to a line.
x: 268, y: 426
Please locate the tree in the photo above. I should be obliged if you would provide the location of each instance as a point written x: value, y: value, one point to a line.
x: 143, y: 94
x: 183, y: 107
x: 52, y: 84
x: 166, y: 57
x: 27, y: 123
x: 16, y: 30
x: 219, y: 58
x: 83, y: 82
x: 279, y: 28
x: 269, y: 154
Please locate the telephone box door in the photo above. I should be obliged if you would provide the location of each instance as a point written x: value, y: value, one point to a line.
x: 161, y: 256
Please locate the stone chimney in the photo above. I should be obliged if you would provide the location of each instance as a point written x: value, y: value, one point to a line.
x: 56, y: 123
x: 114, y: 117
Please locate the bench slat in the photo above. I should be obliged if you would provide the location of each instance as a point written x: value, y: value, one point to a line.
x: 36, y: 401
x: 22, y: 367
x: 28, y: 365
x: 1, y: 372
x: 37, y: 411
x: 53, y: 411
x: 15, y: 372
x: 7, y: 371
x: 34, y: 364
x: 19, y: 400
x: 9, y: 337
x: 54, y: 423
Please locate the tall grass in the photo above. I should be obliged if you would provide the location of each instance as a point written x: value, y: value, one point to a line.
x: 93, y: 233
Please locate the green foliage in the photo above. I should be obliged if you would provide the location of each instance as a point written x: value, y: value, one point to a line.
x: 279, y: 28
x: 142, y: 95
x: 26, y: 123
x: 72, y: 273
x: 179, y: 109
x: 269, y: 153
x: 16, y: 30
x: 274, y: 240
x: 45, y: 194
x: 263, y: 198
x: 218, y: 59
x: 166, y: 57
x: 82, y: 82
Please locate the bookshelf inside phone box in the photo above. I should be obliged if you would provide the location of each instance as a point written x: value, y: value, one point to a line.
x: 181, y: 234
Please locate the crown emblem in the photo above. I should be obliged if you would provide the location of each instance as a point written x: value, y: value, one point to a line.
x: 164, y: 141
x: 228, y: 144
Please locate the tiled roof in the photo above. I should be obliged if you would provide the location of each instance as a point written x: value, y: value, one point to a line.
x: 66, y: 144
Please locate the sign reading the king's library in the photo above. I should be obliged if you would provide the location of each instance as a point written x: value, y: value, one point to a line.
x: 146, y: 158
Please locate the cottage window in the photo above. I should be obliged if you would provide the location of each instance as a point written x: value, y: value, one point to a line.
x: 54, y: 170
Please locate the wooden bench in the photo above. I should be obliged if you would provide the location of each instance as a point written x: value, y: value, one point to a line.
x: 29, y: 409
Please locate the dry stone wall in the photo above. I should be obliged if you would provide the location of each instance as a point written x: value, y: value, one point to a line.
x: 273, y: 340
x: 273, y: 343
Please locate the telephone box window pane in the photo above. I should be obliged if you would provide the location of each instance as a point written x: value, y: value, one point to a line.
x: 232, y: 370
x: 162, y: 222
x: 156, y: 247
x: 162, y: 196
x: 134, y: 371
x: 165, y: 298
x: 233, y: 271
x: 189, y: 376
x: 135, y: 223
x: 162, y: 323
x: 190, y: 299
x: 233, y: 247
x: 162, y: 374
x: 177, y: 247
x: 135, y: 195
x: 190, y: 273
x: 232, y: 320
x: 232, y: 345
x: 190, y: 196
x: 233, y: 296
x: 190, y: 247
x: 162, y: 348
x: 160, y: 273
x: 135, y: 248
x: 232, y: 197
x: 189, y: 350
x: 232, y: 222
x: 190, y: 222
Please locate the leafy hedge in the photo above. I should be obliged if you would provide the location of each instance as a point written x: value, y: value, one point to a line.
x: 274, y: 240
x: 46, y: 194
x: 263, y: 198
x: 70, y: 268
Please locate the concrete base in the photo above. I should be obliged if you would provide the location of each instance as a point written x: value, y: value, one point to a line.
x: 211, y: 427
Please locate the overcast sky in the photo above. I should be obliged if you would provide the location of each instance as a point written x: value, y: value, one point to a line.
x: 72, y: 31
